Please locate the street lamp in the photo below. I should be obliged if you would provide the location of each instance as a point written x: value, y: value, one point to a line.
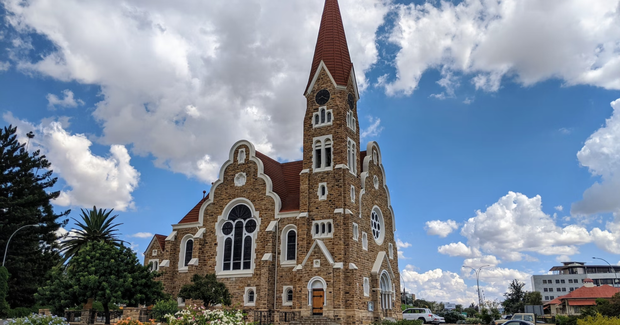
x: 6, y: 249
x: 477, y: 271
x: 611, y: 267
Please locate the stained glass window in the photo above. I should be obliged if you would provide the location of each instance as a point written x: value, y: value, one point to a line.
x: 291, y: 245
x: 189, y: 247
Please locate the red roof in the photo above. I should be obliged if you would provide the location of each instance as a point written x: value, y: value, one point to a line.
x: 162, y: 241
x: 192, y: 215
x: 604, y: 291
x: 555, y: 301
x: 331, y: 46
x: 582, y: 302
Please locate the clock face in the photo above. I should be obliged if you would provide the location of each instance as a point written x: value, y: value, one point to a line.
x: 351, y: 101
x: 322, y: 97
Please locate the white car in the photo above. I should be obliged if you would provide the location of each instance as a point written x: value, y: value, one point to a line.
x: 423, y: 314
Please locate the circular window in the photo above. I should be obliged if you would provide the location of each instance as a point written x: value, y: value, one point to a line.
x: 250, y: 226
x: 376, y: 224
x: 227, y: 228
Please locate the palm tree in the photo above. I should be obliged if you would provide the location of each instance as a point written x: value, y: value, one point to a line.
x: 96, y: 225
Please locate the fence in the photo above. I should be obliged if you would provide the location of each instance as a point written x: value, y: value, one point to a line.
x: 263, y: 316
x: 288, y: 316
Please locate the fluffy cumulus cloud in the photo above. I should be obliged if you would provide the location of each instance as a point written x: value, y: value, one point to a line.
x: 142, y: 235
x: 106, y: 182
x: 440, y: 228
x: 67, y: 100
x: 458, y: 249
x: 488, y: 40
x: 183, y: 81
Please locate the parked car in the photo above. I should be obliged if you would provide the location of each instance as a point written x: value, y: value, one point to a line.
x: 528, y: 317
x: 502, y: 320
x: 518, y: 322
x: 423, y: 314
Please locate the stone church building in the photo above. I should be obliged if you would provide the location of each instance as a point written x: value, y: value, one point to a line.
x: 299, y: 239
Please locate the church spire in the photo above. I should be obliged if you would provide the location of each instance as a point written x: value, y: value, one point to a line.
x: 331, y: 46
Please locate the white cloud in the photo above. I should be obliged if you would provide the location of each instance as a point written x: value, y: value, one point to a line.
x: 373, y: 130
x: 562, y: 258
x: 142, y: 235
x: 183, y: 82
x: 477, y: 262
x: 4, y: 66
x: 106, y: 182
x: 67, y: 101
x: 441, y: 228
x: 458, y: 249
x: 401, y: 244
x: 559, y: 208
x: 517, y: 224
x: 488, y: 40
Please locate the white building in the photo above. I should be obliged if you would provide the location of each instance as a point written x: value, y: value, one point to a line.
x: 568, y: 277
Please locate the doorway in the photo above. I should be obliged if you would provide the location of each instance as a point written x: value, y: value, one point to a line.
x: 318, y: 300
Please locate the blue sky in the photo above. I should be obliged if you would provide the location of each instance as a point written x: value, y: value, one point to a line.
x: 493, y: 118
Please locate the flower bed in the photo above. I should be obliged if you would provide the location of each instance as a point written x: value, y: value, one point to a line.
x: 199, y: 315
x: 35, y: 319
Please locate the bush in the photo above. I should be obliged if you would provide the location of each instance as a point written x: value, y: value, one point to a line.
x: 4, y: 290
x: 38, y: 320
x: 199, y: 315
x: 473, y: 321
x: 400, y: 322
x: 451, y: 317
x: 163, y: 307
x: 21, y: 312
x: 566, y: 320
x: 599, y: 320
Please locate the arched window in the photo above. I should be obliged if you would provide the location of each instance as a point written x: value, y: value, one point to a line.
x: 291, y: 245
x: 189, y: 249
x: 328, y: 153
x: 316, y: 119
x: 289, y: 295
x: 322, y: 152
x: 318, y: 150
x: 322, y: 115
x: 238, y: 241
x: 329, y: 117
x: 352, y: 156
x: 386, y: 291
x: 251, y: 296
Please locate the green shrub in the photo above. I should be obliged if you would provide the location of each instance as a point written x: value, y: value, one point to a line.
x: 4, y: 290
x: 599, y: 320
x: 566, y: 320
x: 38, y: 320
x: 451, y: 317
x: 473, y: 321
x: 21, y: 312
x: 163, y: 307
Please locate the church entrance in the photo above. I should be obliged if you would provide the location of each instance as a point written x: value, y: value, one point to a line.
x: 318, y: 299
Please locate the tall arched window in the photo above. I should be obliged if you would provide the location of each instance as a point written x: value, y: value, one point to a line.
x: 237, y: 230
x: 386, y: 291
x: 318, y: 150
x: 189, y: 250
x: 291, y: 245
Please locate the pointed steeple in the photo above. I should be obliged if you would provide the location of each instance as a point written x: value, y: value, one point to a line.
x: 331, y: 46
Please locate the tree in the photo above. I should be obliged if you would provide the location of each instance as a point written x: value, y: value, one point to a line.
x: 514, y: 297
x: 459, y: 308
x: 609, y: 308
x: 96, y: 225
x: 207, y: 289
x: 4, y: 288
x: 25, y: 194
x: 533, y: 298
x: 105, y: 272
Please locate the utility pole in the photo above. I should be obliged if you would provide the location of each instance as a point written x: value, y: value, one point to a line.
x: 477, y: 271
x: 611, y: 267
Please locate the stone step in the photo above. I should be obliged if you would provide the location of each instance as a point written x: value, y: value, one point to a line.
x: 314, y: 320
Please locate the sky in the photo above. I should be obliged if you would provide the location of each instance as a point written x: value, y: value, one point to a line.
x: 498, y: 121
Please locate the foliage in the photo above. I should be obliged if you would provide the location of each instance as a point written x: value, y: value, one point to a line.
x: 514, y: 297
x: 199, y: 315
x: 4, y: 288
x: 599, y: 320
x: 485, y: 316
x: 533, y: 298
x: 471, y: 311
x: 452, y: 316
x: 96, y: 225
x: 566, y: 320
x: 102, y: 271
x: 207, y: 289
x: 35, y: 319
x: 163, y: 307
x: 26, y: 190
x: 21, y: 312
x: 400, y: 322
x: 609, y: 308
x: 459, y: 308
x: 129, y: 321
x: 473, y: 321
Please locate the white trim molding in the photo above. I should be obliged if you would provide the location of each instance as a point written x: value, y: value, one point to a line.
x: 323, y: 285
x: 285, y: 300
x: 246, y: 296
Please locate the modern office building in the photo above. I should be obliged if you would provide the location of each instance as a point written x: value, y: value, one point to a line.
x: 570, y: 276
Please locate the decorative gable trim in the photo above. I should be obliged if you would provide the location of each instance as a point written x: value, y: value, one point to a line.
x: 372, y: 145
x: 172, y: 235
x: 200, y: 232
x: 377, y: 265
x: 324, y: 250
x: 316, y: 77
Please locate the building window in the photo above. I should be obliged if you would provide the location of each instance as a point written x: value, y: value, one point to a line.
x: 557, y: 281
x: 322, y: 150
x: 322, y: 192
x: 552, y: 297
x: 323, y: 117
x: 356, y: 232
x: 562, y: 281
x: 546, y: 297
x: 558, y: 289
x: 377, y: 225
x: 366, y: 287
x: 291, y: 245
x: 570, y: 280
x: 352, y: 193
x: 249, y: 298
x: 322, y: 229
x: 287, y: 296
x: 571, y: 289
x: 154, y: 265
x: 563, y: 289
x: 351, y: 120
x: 545, y: 289
x: 391, y: 250
x: 154, y: 252
x: 386, y: 291
x: 186, y: 251
x: 364, y: 240
x: 352, y: 156
x: 238, y: 241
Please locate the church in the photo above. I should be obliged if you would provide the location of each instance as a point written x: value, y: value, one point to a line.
x: 308, y: 239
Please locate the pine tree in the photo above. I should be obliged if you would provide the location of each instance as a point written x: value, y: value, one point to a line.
x: 25, y: 194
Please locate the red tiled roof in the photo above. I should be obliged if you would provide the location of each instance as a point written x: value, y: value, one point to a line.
x: 604, y: 291
x: 555, y: 301
x: 162, y: 241
x: 192, y: 215
x: 331, y: 46
x: 582, y: 302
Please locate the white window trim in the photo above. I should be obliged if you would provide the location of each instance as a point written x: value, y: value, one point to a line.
x: 327, y: 234
x: 364, y: 241
x: 322, y: 140
x: 285, y: 302
x: 351, y: 121
x: 377, y: 210
x: 283, y: 246
x: 246, y: 296
x: 353, y: 193
x: 391, y: 250
x: 180, y: 302
x: 241, y: 156
x: 324, y: 285
x: 318, y: 113
x: 356, y: 231
x: 366, y: 286
x: 154, y: 252
x: 186, y: 238
x: 157, y: 265
x: 352, y: 156
x: 375, y: 182
x: 318, y: 192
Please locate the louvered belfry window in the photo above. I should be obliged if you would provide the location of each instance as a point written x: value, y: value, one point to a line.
x: 238, y: 230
